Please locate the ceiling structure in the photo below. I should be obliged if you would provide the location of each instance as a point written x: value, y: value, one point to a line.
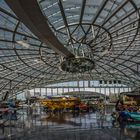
x: 37, y: 35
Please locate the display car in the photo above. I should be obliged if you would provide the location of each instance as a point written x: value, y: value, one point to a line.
x: 128, y: 107
x: 129, y: 116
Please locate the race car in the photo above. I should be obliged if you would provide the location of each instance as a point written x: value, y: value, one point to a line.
x: 129, y: 116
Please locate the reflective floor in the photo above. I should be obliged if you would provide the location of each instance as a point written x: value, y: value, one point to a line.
x: 69, y: 126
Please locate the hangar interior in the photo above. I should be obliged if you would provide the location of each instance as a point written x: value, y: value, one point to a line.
x: 70, y: 69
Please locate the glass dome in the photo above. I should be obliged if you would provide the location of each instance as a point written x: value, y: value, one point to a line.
x: 107, y: 31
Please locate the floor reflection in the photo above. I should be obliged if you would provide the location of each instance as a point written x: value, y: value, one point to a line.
x: 63, y: 119
x: 69, y: 126
x: 130, y: 130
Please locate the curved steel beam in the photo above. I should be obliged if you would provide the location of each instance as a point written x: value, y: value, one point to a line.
x: 30, y: 14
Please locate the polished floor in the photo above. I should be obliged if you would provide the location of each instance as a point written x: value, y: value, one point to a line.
x: 68, y: 126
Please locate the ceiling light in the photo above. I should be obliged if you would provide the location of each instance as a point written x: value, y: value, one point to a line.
x: 38, y: 61
x: 1, y: 67
x: 113, y: 71
x: 93, y: 33
x: 23, y: 43
x: 105, y: 52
